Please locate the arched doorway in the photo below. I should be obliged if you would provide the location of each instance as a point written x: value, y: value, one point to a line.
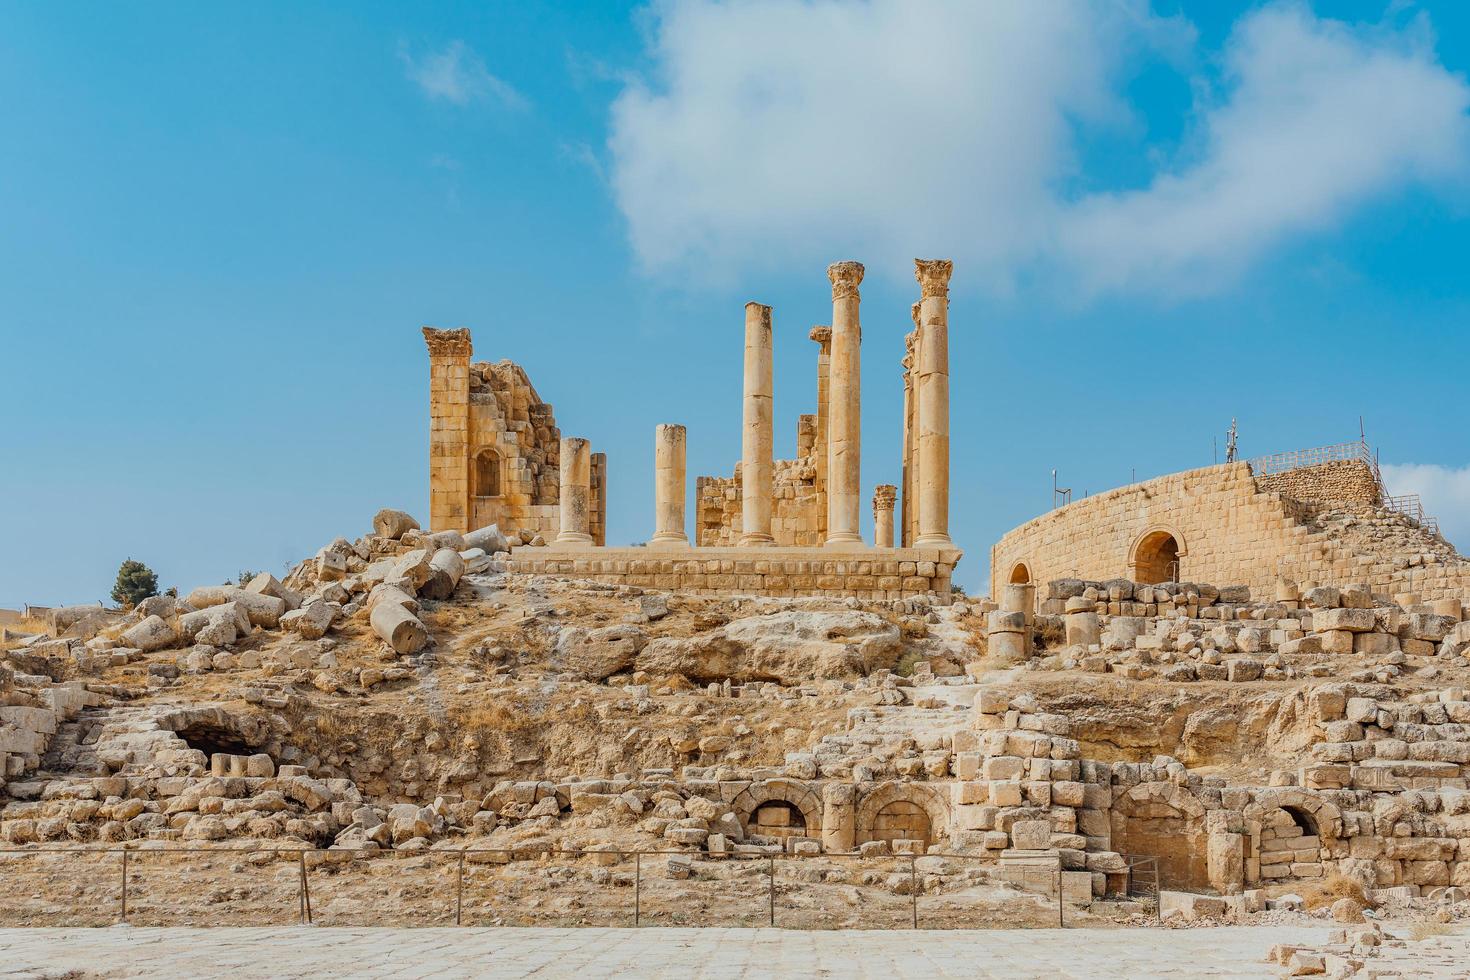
x: 1164, y: 821
x: 777, y: 818
x: 1156, y: 558
x: 902, y: 820
x: 1020, y: 575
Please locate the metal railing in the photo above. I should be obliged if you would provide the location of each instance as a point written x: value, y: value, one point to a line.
x: 1355, y: 452
x: 1412, y: 507
x: 1143, y: 879
x: 129, y: 858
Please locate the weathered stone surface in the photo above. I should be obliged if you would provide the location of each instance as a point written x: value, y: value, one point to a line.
x: 789, y: 647
x: 597, y: 654
x: 151, y: 634
x: 399, y: 628
x: 488, y: 539
x: 391, y: 524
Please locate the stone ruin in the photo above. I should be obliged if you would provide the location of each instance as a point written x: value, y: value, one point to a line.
x: 778, y: 528
x: 1134, y: 747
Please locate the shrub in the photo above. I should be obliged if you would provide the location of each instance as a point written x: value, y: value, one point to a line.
x: 135, y: 582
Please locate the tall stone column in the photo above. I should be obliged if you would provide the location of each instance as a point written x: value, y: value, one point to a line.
x: 757, y: 434
x: 883, y: 497
x: 449, y: 428
x: 933, y: 276
x: 669, y: 446
x: 576, y: 491
x: 822, y: 334
x: 908, y: 517
x: 844, y: 429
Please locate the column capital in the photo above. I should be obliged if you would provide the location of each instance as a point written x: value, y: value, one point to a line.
x: 884, y: 494
x: 933, y: 276
x: 845, y: 277
x: 448, y: 343
x: 822, y: 334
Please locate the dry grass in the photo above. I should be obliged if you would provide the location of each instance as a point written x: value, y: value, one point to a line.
x: 27, y: 624
x: 1420, y: 931
x: 1322, y: 894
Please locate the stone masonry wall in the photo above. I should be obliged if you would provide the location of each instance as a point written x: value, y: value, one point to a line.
x: 797, y: 503
x: 1229, y: 531
x: 1343, y: 481
x: 862, y: 573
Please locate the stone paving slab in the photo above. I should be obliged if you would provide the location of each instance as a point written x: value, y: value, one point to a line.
x: 305, y: 951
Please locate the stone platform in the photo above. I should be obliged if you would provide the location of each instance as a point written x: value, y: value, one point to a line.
x: 865, y: 573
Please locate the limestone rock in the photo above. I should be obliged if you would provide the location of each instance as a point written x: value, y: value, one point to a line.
x: 487, y: 538
x: 399, y: 628
x: 151, y: 634
x: 595, y: 655
x: 391, y: 524
x: 311, y: 620
x: 790, y: 647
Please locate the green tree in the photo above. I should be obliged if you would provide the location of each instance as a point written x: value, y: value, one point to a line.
x: 135, y: 582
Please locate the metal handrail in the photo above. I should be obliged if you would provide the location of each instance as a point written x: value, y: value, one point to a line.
x: 304, y: 906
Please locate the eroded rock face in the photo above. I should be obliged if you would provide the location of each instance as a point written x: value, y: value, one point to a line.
x: 789, y: 647
x: 598, y: 654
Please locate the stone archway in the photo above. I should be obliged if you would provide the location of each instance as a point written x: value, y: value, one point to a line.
x: 1157, y: 556
x: 902, y: 811
x: 750, y: 807
x: 1164, y: 821
x: 1020, y: 574
x: 1289, y: 831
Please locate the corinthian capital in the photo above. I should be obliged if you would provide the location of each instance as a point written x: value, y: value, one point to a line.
x: 448, y: 343
x: 933, y: 276
x: 822, y: 334
x: 845, y: 277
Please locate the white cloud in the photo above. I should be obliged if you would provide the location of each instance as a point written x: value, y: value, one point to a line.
x: 457, y: 75
x: 1445, y: 492
x: 1319, y: 118
x: 810, y: 130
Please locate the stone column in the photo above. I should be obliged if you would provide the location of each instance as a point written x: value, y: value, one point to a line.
x: 576, y: 491
x: 884, y: 496
x: 933, y: 276
x: 839, y: 817
x: 757, y: 462
x: 823, y: 336
x: 909, y: 518
x: 669, y: 491
x: 844, y: 430
x: 449, y: 429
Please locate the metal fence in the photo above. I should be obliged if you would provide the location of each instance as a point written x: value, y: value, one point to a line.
x: 120, y: 872
x: 1356, y: 452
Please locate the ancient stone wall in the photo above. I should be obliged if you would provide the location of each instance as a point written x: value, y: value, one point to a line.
x: 1216, y: 524
x: 494, y: 446
x: 862, y: 573
x: 798, y: 505
x: 1344, y: 481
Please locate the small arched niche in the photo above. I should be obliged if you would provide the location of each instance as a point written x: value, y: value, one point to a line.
x: 487, y: 473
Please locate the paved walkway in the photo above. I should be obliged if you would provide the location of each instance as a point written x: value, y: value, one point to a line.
x: 658, y: 952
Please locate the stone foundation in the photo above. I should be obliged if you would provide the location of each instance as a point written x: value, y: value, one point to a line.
x: 864, y: 573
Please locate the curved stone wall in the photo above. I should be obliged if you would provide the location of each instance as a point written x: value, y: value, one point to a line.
x: 1221, y: 526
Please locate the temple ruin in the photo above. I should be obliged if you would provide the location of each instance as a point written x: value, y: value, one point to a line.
x: 779, y: 528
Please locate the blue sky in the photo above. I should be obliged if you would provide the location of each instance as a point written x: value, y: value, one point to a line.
x: 221, y: 228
